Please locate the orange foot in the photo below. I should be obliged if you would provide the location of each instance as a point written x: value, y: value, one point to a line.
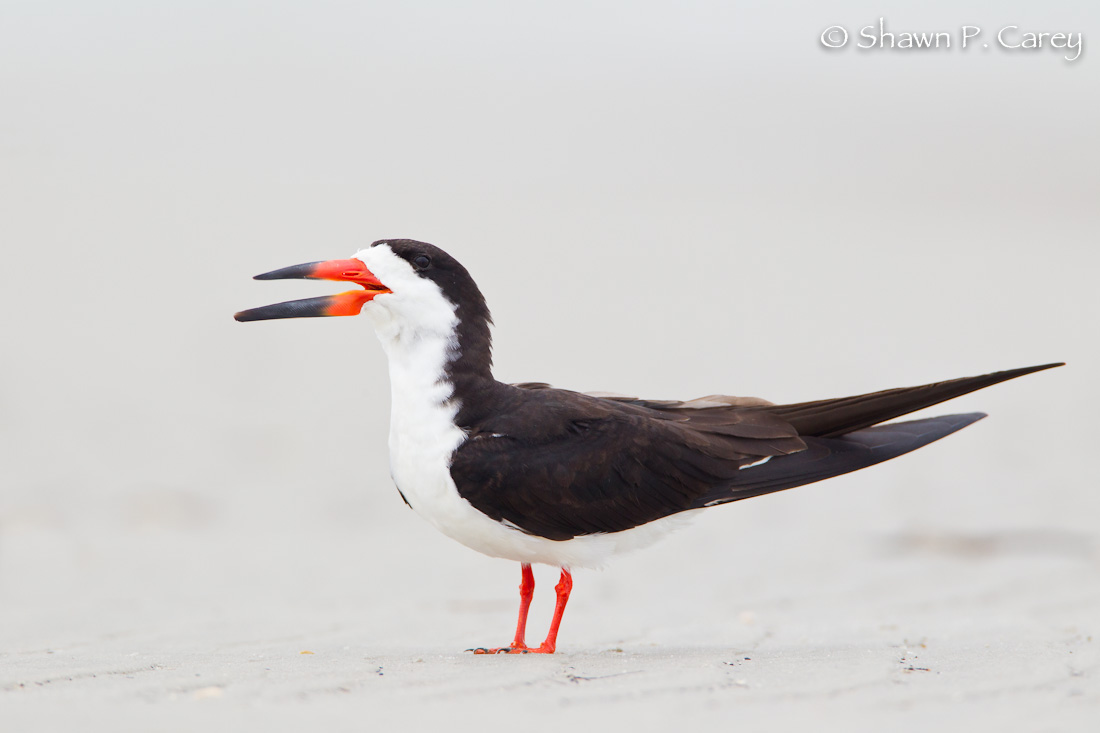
x: 515, y: 649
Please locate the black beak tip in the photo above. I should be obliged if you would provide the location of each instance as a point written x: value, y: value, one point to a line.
x: 305, y: 308
x: 294, y: 272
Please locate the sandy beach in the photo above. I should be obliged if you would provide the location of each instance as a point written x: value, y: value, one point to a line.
x: 170, y: 628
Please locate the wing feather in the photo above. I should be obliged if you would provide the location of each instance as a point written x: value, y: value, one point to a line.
x: 561, y: 464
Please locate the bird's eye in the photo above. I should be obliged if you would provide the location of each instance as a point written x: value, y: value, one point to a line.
x: 421, y: 262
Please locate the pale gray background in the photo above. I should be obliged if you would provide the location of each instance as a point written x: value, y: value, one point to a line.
x: 658, y: 199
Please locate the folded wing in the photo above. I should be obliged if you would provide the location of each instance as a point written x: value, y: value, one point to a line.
x: 561, y: 464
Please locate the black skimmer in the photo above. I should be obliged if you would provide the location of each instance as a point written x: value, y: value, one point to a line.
x: 534, y: 474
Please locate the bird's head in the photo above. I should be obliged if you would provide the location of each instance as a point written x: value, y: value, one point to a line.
x: 402, y: 281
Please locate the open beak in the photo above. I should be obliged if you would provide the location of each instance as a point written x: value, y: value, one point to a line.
x: 342, y: 304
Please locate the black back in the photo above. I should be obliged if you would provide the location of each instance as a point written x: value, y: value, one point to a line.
x: 561, y: 464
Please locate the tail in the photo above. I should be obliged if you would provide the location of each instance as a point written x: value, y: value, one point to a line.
x: 836, y: 417
x: 843, y: 435
x: 828, y: 457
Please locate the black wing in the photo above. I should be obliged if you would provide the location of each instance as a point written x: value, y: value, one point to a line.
x: 561, y: 464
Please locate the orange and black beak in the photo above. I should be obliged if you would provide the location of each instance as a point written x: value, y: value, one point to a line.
x: 342, y: 304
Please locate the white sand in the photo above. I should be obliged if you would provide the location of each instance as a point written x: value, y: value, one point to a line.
x: 175, y: 628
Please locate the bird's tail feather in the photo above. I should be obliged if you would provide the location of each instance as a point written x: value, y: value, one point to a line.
x: 828, y: 457
x: 836, y: 417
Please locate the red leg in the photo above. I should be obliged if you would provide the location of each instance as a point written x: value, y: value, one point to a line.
x: 526, y: 593
x: 563, y: 588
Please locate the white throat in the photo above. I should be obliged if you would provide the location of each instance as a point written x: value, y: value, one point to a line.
x: 417, y: 325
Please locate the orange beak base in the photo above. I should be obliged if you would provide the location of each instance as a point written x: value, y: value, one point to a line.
x: 343, y: 304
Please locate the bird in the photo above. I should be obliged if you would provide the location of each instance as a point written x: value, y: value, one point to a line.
x: 533, y: 474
